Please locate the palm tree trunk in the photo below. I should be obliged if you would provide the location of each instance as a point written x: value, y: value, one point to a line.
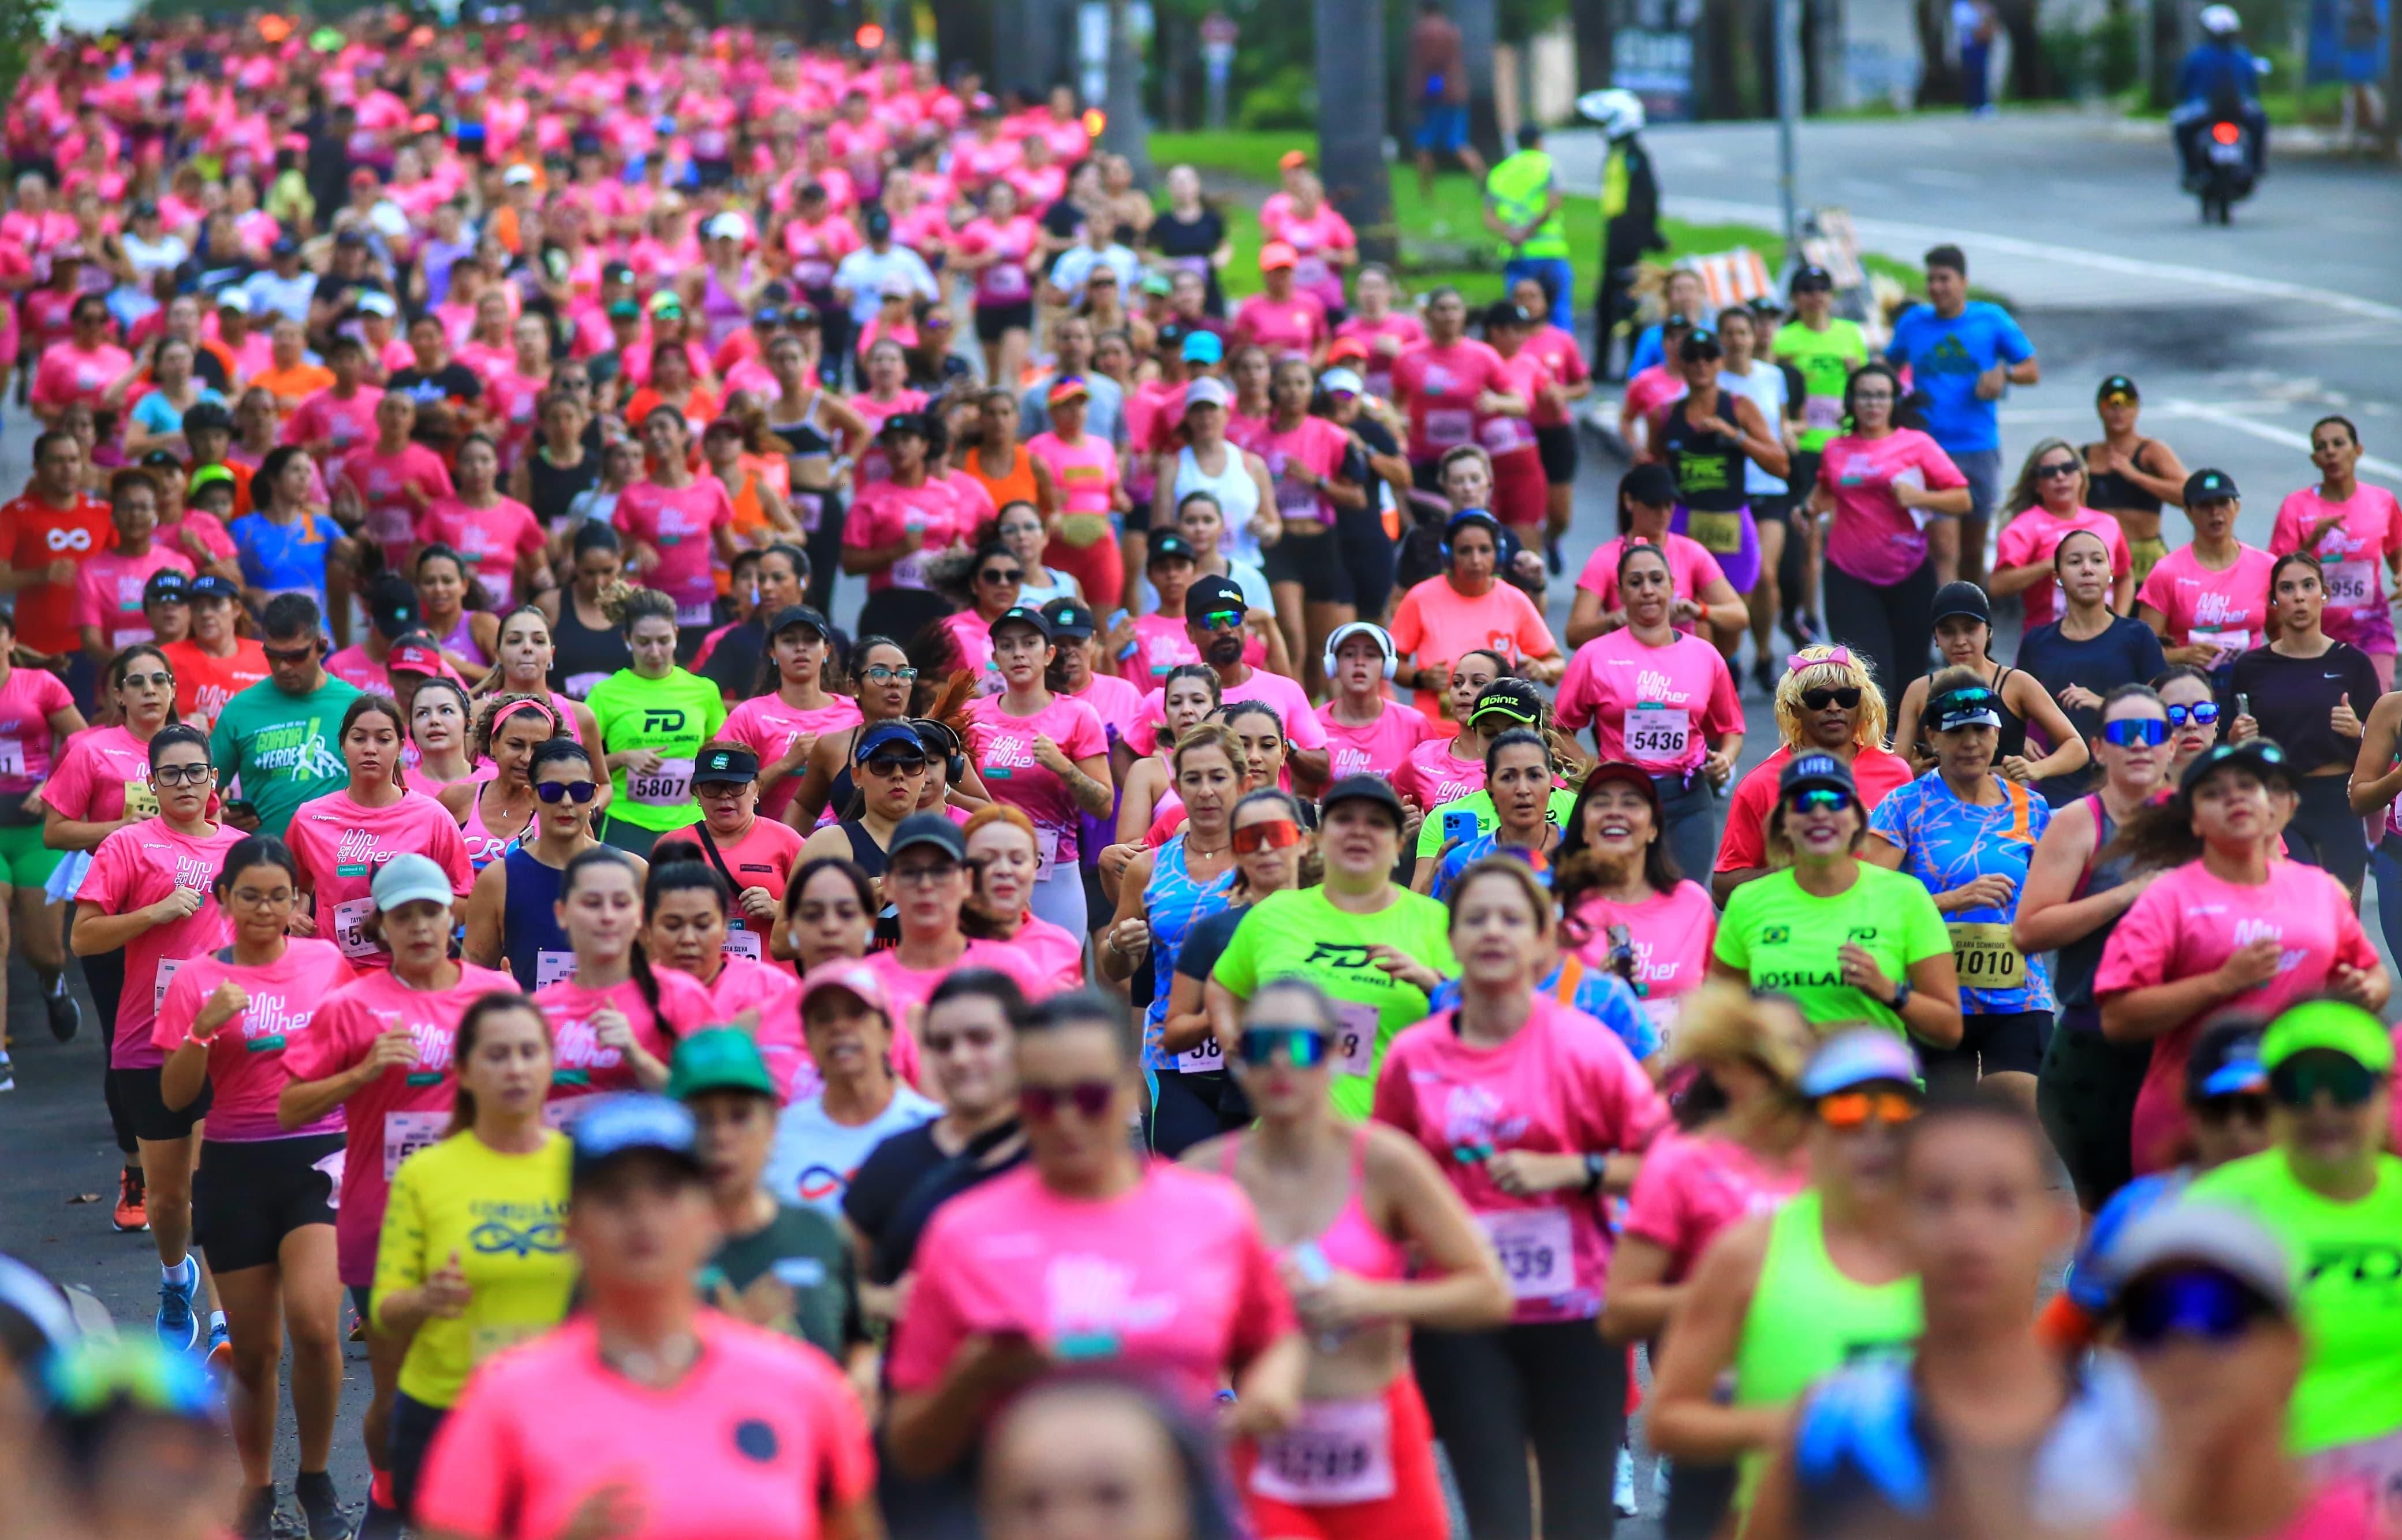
x: 1351, y: 121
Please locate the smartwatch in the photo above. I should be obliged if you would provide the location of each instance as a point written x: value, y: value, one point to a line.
x: 1902, y: 992
x: 1596, y: 1167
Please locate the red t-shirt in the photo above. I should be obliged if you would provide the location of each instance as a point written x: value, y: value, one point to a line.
x: 1744, y: 847
x: 35, y: 533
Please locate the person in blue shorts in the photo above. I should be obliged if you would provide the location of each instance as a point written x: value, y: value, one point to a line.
x: 1439, y: 86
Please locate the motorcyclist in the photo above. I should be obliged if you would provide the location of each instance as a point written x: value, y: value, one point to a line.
x: 1630, y: 210
x: 2219, y: 77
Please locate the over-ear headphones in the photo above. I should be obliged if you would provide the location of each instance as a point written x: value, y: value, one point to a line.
x: 1471, y: 518
x: 938, y: 737
x: 1382, y: 637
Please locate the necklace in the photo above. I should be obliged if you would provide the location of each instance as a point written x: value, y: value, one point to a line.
x: 661, y: 1367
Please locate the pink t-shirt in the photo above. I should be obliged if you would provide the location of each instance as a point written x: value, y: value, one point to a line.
x: 1873, y: 537
x: 68, y: 375
x: 768, y: 727
x: 1054, y: 953
x: 339, y: 844
x: 400, y: 1111
x: 246, y: 1072
x: 764, y: 857
x: 1085, y: 471
x: 1656, y: 707
x: 1670, y: 932
x: 1563, y: 1084
x: 133, y: 868
x: 1314, y: 447
x: 1692, y: 1186
x: 1692, y: 569
x: 1527, y: 375
x: 1002, y: 748
x: 1161, y: 642
x: 755, y: 1437
x: 2227, y: 609
x: 1170, y: 1278
x: 583, y: 1066
x: 1433, y: 775
x: 353, y: 666
x: 1004, y: 282
x: 1292, y: 328
x: 2188, y: 923
x: 1435, y: 624
x: 28, y: 699
x: 100, y: 767
x: 907, y: 988
x: 1557, y: 348
x: 2354, y: 554
x: 108, y: 593
x: 1323, y: 231
x: 680, y: 522
x: 770, y: 992
x: 491, y: 539
x: 880, y: 511
x: 343, y: 423
x: 381, y: 480
x: 2036, y: 533
x: 1115, y: 701
x: 1301, y: 729
x: 1438, y: 387
x: 1387, y: 339
x: 1380, y: 748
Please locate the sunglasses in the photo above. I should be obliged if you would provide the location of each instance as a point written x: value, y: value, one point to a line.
x: 560, y: 791
x: 2136, y: 732
x: 1851, y: 1109
x: 1303, y: 1048
x: 1042, y: 1103
x: 1271, y: 834
x: 2056, y: 470
x: 1819, y: 699
x: 181, y: 775
x: 1821, y: 799
x: 2247, y: 1105
x: 1002, y: 574
x: 2202, y: 716
x: 2345, y: 1081
x: 137, y: 681
x: 2200, y: 1303
x: 1222, y: 620
x: 886, y: 767
x: 290, y: 655
x: 882, y: 674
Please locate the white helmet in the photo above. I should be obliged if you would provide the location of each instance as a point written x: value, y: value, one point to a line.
x: 2220, y: 21
x: 1619, y: 113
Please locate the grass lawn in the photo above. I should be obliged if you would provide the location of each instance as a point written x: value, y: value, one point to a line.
x: 1443, y: 240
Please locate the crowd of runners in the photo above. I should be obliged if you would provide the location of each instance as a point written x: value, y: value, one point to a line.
x: 1187, y: 1010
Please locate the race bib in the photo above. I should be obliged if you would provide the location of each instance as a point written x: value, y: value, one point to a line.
x: 1719, y: 534
x: 810, y: 506
x: 1657, y: 733
x: 1537, y: 1248
x: 1664, y: 1011
x: 1335, y: 1451
x: 1005, y: 280
x: 1207, y: 1057
x: 1311, y: 273
x: 745, y: 943
x: 1986, y: 958
x: 700, y: 612
x: 350, y: 928
x: 552, y: 967
x: 1822, y: 411
x: 1297, y: 500
x: 168, y: 968
x: 1355, y: 1038
x: 581, y: 684
x: 668, y: 786
x: 2351, y: 584
x: 1448, y: 427
x: 909, y: 572
x: 140, y: 800
x: 2229, y: 646
x: 12, y: 757
x: 1046, y: 852
x: 407, y: 1132
x: 1503, y: 435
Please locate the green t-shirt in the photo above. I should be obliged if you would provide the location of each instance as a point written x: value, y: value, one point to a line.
x: 1788, y: 940
x: 2348, y: 1275
x: 1480, y: 803
x: 1299, y: 934
x: 807, y: 1255
x: 285, y: 748
x: 671, y: 718
x: 1826, y: 359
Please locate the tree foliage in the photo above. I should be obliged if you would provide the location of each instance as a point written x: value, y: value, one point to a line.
x: 22, y: 23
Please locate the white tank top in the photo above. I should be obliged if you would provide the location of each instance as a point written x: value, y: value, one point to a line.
x: 1764, y: 388
x: 1236, y: 494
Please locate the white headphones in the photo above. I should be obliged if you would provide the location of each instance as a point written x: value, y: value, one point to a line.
x: 1363, y: 628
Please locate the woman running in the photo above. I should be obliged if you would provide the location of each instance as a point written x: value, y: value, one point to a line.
x: 525, y: 661
x: 2087, y: 653
x: 1449, y: 762
x: 686, y: 909
x: 2129, y: 476
x: 1401, y: 1251
x: 1647, y: 502
x: 927, y: 882
x: 615, y: 1018
x: 38, y: 719
x: 339, y: 840
x: 496, y: 812
x: 498, y: 535
x: 2356, y: 533
x: 2046, y: 506
x: 1468, y: 608
x: 792, y: 708
x: 1043, y: 755
x: 2209, y: 601
x: 674, y: 523
x: 1663, y: 701
x: 1967, y: 834
x: 1019, y: 529
x: 1005, y: 853
x: 1623, y: 907
x: 2076, y: 888
x: 754, y: 856
x: 830, y: 914
x: 2312, y: 696
x: 2194, y: 717
x: 654, y: 718
x: 1189, y: 695
x: 1519, y: 773
x: 1964, y: 636
x: 454, y: 610
x: 1534, y: 1122
x: 262, y: 1202
x: 883, y: 684
x: 1366, y: 730
x: 1709, y: 437
x: 589, y: 644
x: 1235, y: 477
x: 1746, y: 372
x: 1309, y: 464
x: 889, y: 767
x: 1273, y: 852
x: 993, y: 579
x: 811, y: 420
x: 1084, y: 466
x: 853, y: 1039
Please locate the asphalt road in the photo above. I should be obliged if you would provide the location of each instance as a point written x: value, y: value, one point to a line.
x: 2238, y: 338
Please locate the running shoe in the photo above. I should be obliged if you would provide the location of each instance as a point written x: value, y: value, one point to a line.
x: 1764, y: 675
x: 257, y: 1520
x: 1551, y: 557
x: 1621, y: 1492
x: 7, y: 1071
x: 66, y: 1015
x: 178, y: 1325
x: 220, y: 1351
x: 133, y: 1202
x: 321, y: 1506
x: 1660, y: 1479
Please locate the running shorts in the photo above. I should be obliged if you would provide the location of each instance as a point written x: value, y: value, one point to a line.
x: 137, y: 1092
x: 25, y: 862
x: 1327, y: 1436
x: 248, y: 1196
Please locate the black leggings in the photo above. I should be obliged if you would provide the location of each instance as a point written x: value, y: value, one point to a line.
x: 1887, y: 624
x: 1186, y: 1112
x: 825, y: 547
x: 2327, y: 833
x: 1555, y: 1386
x: 1367, y: 553
x: 105, y: 975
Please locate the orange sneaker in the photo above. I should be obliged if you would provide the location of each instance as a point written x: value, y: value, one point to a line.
x: 132, y: 1202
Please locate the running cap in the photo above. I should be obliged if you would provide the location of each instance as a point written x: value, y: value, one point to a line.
x: 926, y: 828
x: 2204, y: 486
x: 166, y: 587
x: 1203, y: 347
x: 900, y: 422
x: 1341, y: 383
x: 1279, y: 253
x: 1961, y: 598
x: 1069, y: 389
x: 728, y: 226
x: 2116, y: 386
x: 376, y: 303
x: 1811, y: 278
x: 1628, y: 775
x: 1952, y: 710
x: 1862, y: 1056
x: 884, y: 736
x: 1700, y: 342
x: 800, y: 615
x: 1514, y: 699
x: 1364, y: 788
x: 878, y: 220
x: 392, y: 607
x: 1158, y: 282
x: 666, y: 303
x: 1214, y: 595
x: 2220, y: 21
x: 1806, y: 771
x: 285, y: 246
x: 718, y: 1058
x: 853, y: 978
x: 726, y: 767
x: 1030, y: 614
x: 2226, y: 1059
x: 407, y: 878
x: 636, y: 1122
x: 1368, y: 629
x: 1346, y: 349
x: 2260, y: 756
x: 208, y: 584
x: 1207, y: 391
x: 1070, y: 619
x: 1293, y: 160
x: 1652, y: 484
x: 227, y: 298
x: 518, y: 175
x: 415, y: 653
x: 2335, y: 1025
x: 1168, y: 548
x: 2191, y: 1231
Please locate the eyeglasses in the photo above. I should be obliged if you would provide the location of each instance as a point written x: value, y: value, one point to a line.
x: 2248, y: 1105
x: 559, y: 791
x: 2201, y: 715
x: 2134, y: 732
x: 1042, y: 1103
x: 1822, y: 799
x: 2056, y: 470
x: 2197, y: 1302
x: 1303, y: 1048
x: 2345, y: 1080
x: 1871, y: 399
x: 921, y: 877
x: 1270, y: 834
x: 1850, y: 1109
x: 1221, y: 620
x: 181, y: 775
x: 290, y: 655
x: 1848, y: 697
x: 1002, y: 574
x: 889, y: 766
x: 882, y: 674
x: 140, y: 681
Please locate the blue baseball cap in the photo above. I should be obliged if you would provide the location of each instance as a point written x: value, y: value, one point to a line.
x: 1203, y: 347
x: 1860, y: 1057
x: 897, y: 738
x: 632, y: 1124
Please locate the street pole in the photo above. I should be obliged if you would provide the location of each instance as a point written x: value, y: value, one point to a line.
x: 1351, y: 121
x: 1124, y: 133
x: 1789, y: 121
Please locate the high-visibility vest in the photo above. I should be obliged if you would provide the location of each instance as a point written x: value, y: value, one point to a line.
x: 1518, y: 188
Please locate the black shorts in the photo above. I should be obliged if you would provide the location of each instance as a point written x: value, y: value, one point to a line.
x: 993, y: 322
x: 1313, y: 561
x: 1556, y: 443
x: 247, y: 1197
x: 414, y: 1423
x: 1771, y: 510
x: 137, y: 1094
x: 1993, y: 1044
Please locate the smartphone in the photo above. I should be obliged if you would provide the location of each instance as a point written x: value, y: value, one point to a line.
x: 1117, y: 618
x: 1458, y: 827
x: 2242, y: 704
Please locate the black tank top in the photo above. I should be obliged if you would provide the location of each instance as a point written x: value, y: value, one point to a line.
x: 2010, y: 738
x: 552, y: 489
x: 2073, y: 970
x: 1708, y: 466
x: 805, y: 436
x: 2112, y: 492
x: 582, y: 655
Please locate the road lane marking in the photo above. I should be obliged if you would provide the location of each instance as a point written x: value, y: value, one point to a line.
x: 2370, y: 464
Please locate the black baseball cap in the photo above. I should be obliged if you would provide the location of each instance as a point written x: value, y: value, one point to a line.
x: 1365, y: 788
x: 928, y: 828
x: 1170, y: 547
x: 392, y: 607
x: 1021, y: 614
x: 2118, y: 384
x: 1516, y: 700
x: 905, y: 421
x: 1070, y: 619
x: 2263, y: 757
x: 726, y: 767
x: 2226, y: 1059
x: 208, y: 584
x: 1214, y: 595
x: 1961, y: 598
x: 1702, y: 343
x: 800, y: 615
x: 166, y: 587
x: 1652, y: 484
x: 1824, y: 770
x: 2208, y: 486
x: 1812, y: 277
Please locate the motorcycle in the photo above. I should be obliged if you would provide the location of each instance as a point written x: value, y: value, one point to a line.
x: 2224, y: 150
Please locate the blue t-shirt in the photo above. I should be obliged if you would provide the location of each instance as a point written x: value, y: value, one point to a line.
x: 157, y: 414
x: 1946, y: 844
x: 286, y: 557
x: 1945, y: 358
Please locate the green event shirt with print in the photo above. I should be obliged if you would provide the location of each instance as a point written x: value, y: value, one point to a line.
x: 2347, y: 1262
x: 283, y: 747
x: 672, y: 716
x: 1826, y: 359
x: 807, y: 1256
x: 1788, y: 940
x: 1300, y: 933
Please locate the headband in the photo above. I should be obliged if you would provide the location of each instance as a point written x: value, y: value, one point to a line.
x: 1839, y: 657
x: 522, y: 704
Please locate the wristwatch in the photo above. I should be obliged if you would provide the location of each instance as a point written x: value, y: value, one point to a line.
x: 1596, y: 1167
x: 1901, y: 994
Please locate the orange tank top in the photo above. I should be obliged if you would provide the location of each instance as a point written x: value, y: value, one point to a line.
x: 1018, y: 486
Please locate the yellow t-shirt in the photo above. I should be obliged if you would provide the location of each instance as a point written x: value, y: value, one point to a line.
x: 501, y: 1216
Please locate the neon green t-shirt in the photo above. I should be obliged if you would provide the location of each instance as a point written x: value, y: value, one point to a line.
x: 1299, y: 933
x: 2348, y: 1275
x: 1826, y: 359
x: 670, y: 716
x: 1788, y: 940
x: 1563, y: 802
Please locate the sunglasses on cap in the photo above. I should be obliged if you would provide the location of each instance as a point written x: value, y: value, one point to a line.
x: 1043, y: 1103
x: 2345, y: 1081
x: 1851, y: 1109
x: 1305, y: 1047
x: 1271, y: 834
x: 2202, y: 716
x: 2136, y: 732
x: 580, y: 792
x: 1820, y: 800
x: 2200, y: 1303
x: 1847, y: 697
